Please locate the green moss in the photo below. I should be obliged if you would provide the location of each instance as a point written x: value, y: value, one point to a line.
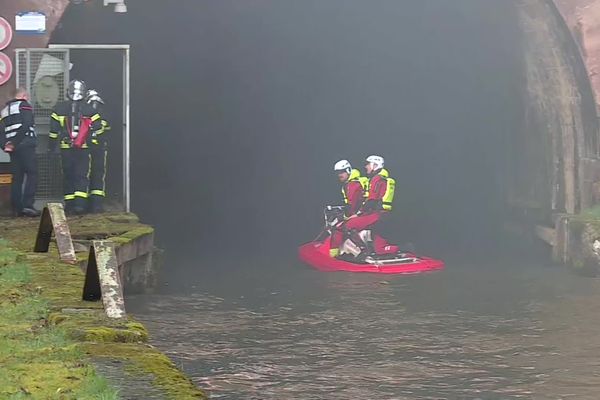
x: 593, y: 212
x: 589, y: 219
x: 588, y: 216
x: 132, y: 235
x: 59, y: 282
x: 119, y: 227
x: 93, y: 326
x: 38, y: 360
x: 53, y: 380
x: 41, y: 297
x: 117, y: 334
x: 144, y: 359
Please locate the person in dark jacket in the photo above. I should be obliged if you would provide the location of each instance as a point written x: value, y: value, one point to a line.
x: 18, y: 139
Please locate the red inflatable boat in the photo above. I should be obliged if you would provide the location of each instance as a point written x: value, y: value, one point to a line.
x: 388, y: 258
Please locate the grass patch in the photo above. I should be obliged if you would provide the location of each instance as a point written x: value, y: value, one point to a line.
x: 39, y: 361
x: 47, y: 333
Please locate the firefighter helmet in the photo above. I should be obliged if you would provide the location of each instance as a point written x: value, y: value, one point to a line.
x: 76, y: 90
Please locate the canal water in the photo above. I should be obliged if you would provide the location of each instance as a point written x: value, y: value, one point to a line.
x: 500, y: 326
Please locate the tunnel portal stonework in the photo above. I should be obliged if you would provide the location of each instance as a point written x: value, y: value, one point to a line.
x: 583, y: 20
x: 552, y: 168
x: 555, y: 155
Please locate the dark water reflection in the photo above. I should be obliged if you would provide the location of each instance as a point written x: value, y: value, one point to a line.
x: 501, y: 330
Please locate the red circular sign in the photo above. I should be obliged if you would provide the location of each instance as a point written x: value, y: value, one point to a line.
x: 6, y: 33
x: 6, y: 68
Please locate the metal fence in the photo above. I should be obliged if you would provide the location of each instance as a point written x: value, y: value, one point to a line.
x: 45, y: 74
x: 49, y: 187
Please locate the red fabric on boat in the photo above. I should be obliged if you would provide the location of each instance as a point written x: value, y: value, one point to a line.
x: 316, y: 254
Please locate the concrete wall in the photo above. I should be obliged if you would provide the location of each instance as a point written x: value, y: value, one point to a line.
x: 53, y: 9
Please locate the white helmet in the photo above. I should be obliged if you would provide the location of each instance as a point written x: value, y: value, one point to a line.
x: 342, y: 166
x: 93, y: 96
x: 377, y: 162
x: 76, y: 90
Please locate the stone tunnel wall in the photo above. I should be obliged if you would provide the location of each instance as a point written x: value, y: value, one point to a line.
x: 583, y: 19
x: 554, y: 162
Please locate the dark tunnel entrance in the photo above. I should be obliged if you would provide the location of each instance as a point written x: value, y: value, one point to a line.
x: 240, y: 109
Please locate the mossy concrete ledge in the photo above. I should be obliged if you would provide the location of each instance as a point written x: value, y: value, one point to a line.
x: 578, y: 241
x: 575, y: 240
x: 87, y: 337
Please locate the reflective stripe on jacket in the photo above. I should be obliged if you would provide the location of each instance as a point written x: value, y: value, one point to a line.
x: 16, y: 120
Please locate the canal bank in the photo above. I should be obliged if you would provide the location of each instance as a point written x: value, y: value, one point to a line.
x: 55, y: 345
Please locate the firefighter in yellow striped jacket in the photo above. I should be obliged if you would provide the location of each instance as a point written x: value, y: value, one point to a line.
x: 98, y: 152
x: 72, y: 126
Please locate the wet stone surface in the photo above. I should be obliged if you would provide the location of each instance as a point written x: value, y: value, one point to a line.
x: 130, y: 387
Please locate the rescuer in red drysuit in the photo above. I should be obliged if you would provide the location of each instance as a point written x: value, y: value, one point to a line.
x: 354, y: 188
x: 380, y: 194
